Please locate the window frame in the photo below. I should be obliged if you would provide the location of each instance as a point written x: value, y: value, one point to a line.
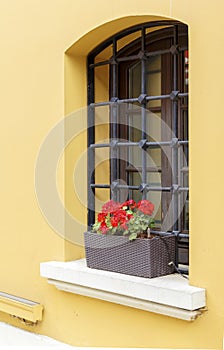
x: 174, y: 96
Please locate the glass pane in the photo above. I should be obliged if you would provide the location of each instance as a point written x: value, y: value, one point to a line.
x: 153, y: 79
x: 135, y: 80
x: 154, y: 180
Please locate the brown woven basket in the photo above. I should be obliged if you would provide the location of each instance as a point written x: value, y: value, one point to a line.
x: 141, y: 257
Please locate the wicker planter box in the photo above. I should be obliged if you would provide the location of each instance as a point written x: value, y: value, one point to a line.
x: 141, y: 257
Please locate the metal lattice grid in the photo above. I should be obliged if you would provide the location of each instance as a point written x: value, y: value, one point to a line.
x: 177, y: 98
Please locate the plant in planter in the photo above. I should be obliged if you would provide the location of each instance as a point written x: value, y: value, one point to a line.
x: 129, y: 218
x: 120, y: 241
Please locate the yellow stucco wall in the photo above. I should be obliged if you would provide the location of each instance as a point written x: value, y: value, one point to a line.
x: 39, y: 85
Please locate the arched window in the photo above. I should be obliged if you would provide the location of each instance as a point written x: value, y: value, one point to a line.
x: 140, y: 77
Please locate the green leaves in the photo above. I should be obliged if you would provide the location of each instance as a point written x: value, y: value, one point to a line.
x: 108, y: 223
x: 96, y: 226
x: 132, y: 236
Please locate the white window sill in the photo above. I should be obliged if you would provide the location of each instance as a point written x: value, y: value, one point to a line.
x: 168, y: 295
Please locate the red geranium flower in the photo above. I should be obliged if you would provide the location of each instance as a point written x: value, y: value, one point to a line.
x: 130, y: 203
x: 103, y: 228
x: 114, y: 221
x: 119, y: 217
x: 130, y: 216
x: 146, y: 207
x: 101, y: 217
x: 111, y: 206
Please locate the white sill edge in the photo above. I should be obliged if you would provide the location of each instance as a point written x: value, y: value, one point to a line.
x: 170, y: 295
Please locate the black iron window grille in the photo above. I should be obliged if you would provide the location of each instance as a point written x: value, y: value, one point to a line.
x: 144, y: 70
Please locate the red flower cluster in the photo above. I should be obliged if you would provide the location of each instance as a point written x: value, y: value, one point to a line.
x: 103, y: 228
x: 110, y: 207
x: 115, y: 216
x: 130, y: 203
x: 102, y: 216
x: 146, y: 207
x: 120, y: 217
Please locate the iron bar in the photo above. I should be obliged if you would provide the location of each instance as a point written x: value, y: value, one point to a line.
x: 175, y: 194
x: 175, y: 131
x: 149, y: 169
x: 90, y: 141
x: 118, y: 144
x: 183, y: 189
x: 159, y: 97
x: 129, y: 187
x: 114, y: 122
x: 108, y: 103
x: 148, y: 188
x: 151, y: 144
x: 118, y: 186
x: 136, y: 99
x: 158, y: 189
x: 100, y: 186
x: 183, y: 142
x: 98, y: 64
x: 143, y: 111
x: 162, y: 233
x: 114, y: 70
x: 100, y: 145
x: 135, y: 57
x: 183, y: 94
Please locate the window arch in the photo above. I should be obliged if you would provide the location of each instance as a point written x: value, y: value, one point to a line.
x: 144, y: 72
